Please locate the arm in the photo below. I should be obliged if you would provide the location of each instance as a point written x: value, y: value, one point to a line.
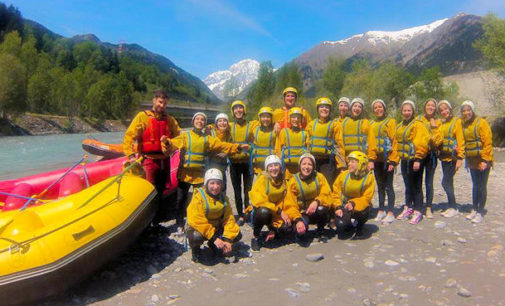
x: 306, y: 116
x: 174, y: 144
x: 324, y: 196
x: 290, y: 202
x: 420, y: 138
x: 196, y: 217
x: 460, y: 139
x: 134, y: 132
x: 393, y: 157
x: 339, y: 141
x: 175, y: 129
x: 336, y: 195
x: 486, y: 137
x: 230, y: 227
x: 258, y: 195
x: 372, y: 145
x: 216, y: 145
x: 365, y: 199
x: 279, y: 142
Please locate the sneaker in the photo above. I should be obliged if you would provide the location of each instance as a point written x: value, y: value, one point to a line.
x: 477, y: 218
x: 471, y: 215
x: 406, y: 213
x: 241, y: 221
x: 451, y: 212
x: 416, y: 217
x: 255, y: 245
x: 381, y: 215
x: 429, y: 214
x: 388, y: 219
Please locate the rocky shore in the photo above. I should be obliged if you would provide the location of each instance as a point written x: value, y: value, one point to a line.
x: 437, y: 262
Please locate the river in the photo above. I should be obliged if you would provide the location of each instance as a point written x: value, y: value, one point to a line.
x: 25, y: 155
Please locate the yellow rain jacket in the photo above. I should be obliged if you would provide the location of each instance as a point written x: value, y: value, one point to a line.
x: 355, y: 133
x: 413, y: 139
x: 303, y: 192
x: 265, y: 193
x: 206, y: 214
x: 290, y: 145
x: 323, y: 136
x: 341, y: 119
x: 196, y: 147
x: 241, y: 134
x: 136, y: 129
x: 281, y: 116
x: 263, y: 145
x: 449, y: 140
x: 214, y: 160
x: 384, y: 148
x: 358, y: 191
x: 430, y: 129
x: 478, y: 142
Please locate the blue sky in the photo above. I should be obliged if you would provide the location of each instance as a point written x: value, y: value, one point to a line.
x: 203, y: 36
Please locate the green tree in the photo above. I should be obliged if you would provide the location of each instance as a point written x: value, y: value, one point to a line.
x: 263, y: 88
x: 40, y: 86
x: 12, y: 85
x: 29, y: 55
x: 492, y: 45
x: 11, y: 44
x: 360, y: 81
x: 288, y: 75
x: 332, y: 79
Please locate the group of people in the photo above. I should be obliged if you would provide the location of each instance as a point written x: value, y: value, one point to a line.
x: 306, y: 171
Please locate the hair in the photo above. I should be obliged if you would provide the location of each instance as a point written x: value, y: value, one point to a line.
x: 160, y: 93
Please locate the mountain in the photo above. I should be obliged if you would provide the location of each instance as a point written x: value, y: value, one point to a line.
x: 446, y: 43
x: 235, y: 79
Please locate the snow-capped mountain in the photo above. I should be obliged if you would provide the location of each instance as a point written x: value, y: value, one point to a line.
x: 446, y: 43
x: 234, y: 80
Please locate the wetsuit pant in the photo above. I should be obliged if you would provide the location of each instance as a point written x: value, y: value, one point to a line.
x: 479, y: 190
x: 158, y: 174
x: 344, y: 223
x: 413, y: 181
x: 449, y: 169
x: 239, y: 172
x: 196, y: 239
x: 320, y: 217
x: 328, y: 168
x: 430, y: 165
x: 182, y: 198
x: 384, y: 179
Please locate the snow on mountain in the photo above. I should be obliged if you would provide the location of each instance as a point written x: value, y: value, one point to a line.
x: 235, y: 79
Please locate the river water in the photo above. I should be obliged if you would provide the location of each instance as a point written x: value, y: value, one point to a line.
x: 25, y: 155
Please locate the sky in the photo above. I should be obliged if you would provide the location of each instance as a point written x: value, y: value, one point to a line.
x: 204, y: 36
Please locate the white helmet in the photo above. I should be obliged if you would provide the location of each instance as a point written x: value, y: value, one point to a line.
x: 358, y: 100
x: 272, y: 159
x: 309, y: 156
x: 213, y: 174
x: 221, y: 116
x: 199, y: 114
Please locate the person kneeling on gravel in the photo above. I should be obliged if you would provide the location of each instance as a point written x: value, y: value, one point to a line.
x: 209, y: 217
x: 269, y: 206
x: 352, y: 194
x: 310, y: 192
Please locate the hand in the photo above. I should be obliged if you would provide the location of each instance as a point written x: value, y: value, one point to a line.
x: 207, y: 130
x: 416, y: 166
x: 285, y: 218
x: 226, y: 247
x: 244, y: 147
x: 139, y: 130
x: 300, y: 228
x: 349, y: 206
x: 219, y: 243
x: 339, y: 213
x: 433, y: 123
x: 312, y: 208
x: 270, y: 236
x: 391, y: 168
x: 459, y: 162
x: 482, y: 166
x: 165, y: 139
x: 370, y: 166
x: 277, y: 128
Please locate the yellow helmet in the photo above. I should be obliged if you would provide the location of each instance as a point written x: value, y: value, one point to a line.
x: 290, y: 89
x: 238, y: 102
x: 295, y: 111
x: 266, y: 110
x: 362, y: 159
x: 323, y: 101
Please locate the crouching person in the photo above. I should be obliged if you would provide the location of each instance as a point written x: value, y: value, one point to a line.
x: 269, y: 207
x: 210, y: 218
x: 310, y: 192
x: 352, y: 195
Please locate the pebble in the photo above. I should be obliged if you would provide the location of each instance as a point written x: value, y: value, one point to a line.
x: 461, y: 240
x: 447, y: 243
x: 431, y: 259
x: 404, y: 296
x: 440, y: 224
x: 156, y: 276
x: 154, y: 298
x: 314, y: 257
x: 219, y: 289
x: 351, y: 290
x: 451, y: 283
x: 240, y: 275
x: 391, y: 263
x: 303, y: 287
x: 369, y: 264
x: 464, y: 292
x: 292, y: 292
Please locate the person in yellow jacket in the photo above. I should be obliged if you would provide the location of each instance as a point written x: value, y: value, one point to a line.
x: 263, y: 141
x: 195, y: 147
x: 413, y: 140
x: 310, y: 192
x: 146, y: 129
x: 210, y: 218
x: 241, y: 132
x: 221, y: 130
x: 268, y: 205
x: 281, y: 115
x: 352, y: 195
x: 325, y: 140
x: 431, y: 122
x: 384, y: 158
x: 292, y: 143
x: 344, y: 103
x: 479, y: 156
x: 450, y: 143
x: 355, y: 129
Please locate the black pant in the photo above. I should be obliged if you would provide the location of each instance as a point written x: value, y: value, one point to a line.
x: 320, y: 217
x: 479, y: 190
x: 344, y: 223
x: 260, y: 217
x: 196, y: 239
x: 384, y: 180
x: 182, y: 198
x: 239, y: 171
x: 449, y: 169
x: 328, y: 168
x: 430, y: 165
x: 413, y: 181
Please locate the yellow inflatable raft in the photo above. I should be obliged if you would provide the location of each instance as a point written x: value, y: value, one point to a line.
x: 48, y: 248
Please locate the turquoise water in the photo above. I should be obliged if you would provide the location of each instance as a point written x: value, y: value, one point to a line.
x: 25, y: 155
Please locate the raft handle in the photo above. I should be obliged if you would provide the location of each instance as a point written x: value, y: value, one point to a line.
x: 78, y: 236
